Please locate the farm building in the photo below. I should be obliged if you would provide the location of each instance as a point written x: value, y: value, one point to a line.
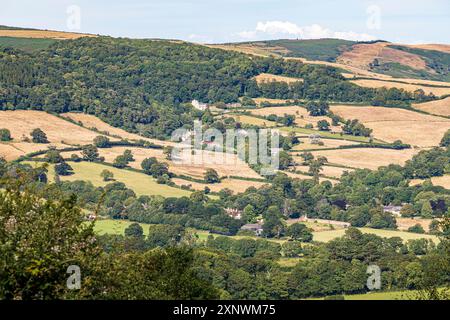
x: 395, y: 210
x: 234, y: 213
x: 199, y: 106
x: 256, y: 228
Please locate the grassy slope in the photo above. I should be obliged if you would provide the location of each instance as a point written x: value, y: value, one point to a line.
x: 26, y: 44
x: 326, y: 236
x: 141, y: 184
x: 116, y: 227
x: 322, y: 49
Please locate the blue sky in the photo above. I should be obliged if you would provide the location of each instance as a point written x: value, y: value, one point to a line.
x: 405, y: 21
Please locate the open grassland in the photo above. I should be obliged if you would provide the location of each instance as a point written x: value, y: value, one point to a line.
x: 438, y: 107
x: 443, y: 181
x: 266, y: 77
x: 327, y: 144
x: 390, y: 124
x: 326, y: 236
x: 302, y: 117
x: 42, y: 34
x: 195, y: 166
x: 372, y: 83
x: 92, y: 122
x: 235, y: 185
x: 253, y: 121
x: 140, y: 183
x: 369, y: 158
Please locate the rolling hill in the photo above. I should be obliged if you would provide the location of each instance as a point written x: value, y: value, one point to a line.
x: 429, y: 62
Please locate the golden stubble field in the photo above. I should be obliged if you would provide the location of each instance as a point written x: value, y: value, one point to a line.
x: 438, y: 107
x: 302, y: 117
x: 44, y: 34
x: 266, y: 77
x: 203, y: 161
x: 373, y: 83
x: 60, y: 133
x: 90, y: 122
x: 369, y: 158
x: 443, y: 181
x: 390, y: 124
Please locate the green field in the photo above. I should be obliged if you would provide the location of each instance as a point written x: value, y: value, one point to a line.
x: 115, y: 227
x: 26, y: 44
x: 326, y: 236
x: 253, y: 120
x: 140, y: 183
x: 388, y: 295
x: 326, y: 134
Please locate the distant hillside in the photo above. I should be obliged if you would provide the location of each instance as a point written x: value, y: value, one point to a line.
x: 143, y: 84
x: 322, y: 49
x: 428, y: 62
x: 28, y: 39
x: 26, y: 44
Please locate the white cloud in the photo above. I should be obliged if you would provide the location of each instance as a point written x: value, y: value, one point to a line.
x: 279, y: 29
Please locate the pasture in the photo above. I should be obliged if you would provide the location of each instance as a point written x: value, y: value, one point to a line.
x: 140, y: 183
x: 326, y: 134
x: 116, y: 227
x: 254, y: 121
x: 326, y: 236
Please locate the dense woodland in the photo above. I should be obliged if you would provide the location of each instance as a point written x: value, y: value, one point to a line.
x: 144, y: 85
